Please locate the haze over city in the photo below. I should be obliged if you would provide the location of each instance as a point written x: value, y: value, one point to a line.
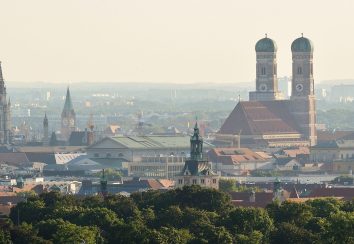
x: 179, y: 122
x: 167, y: 41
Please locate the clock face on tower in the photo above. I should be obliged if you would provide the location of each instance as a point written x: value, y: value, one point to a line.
x: 68, y: 122
x: 299, y: 87
x: 65, y: 122
x: 71, y: 122
x: 263, y: 87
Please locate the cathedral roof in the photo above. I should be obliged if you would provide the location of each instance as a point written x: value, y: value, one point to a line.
x: 266, y: 45
x: 260, y: 118
x: 302, y: 44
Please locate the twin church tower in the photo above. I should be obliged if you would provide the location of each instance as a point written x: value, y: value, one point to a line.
x: 266, y: 70
x: 269, y: 120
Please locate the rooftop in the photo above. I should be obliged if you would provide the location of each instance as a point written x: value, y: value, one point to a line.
x: 260, y: 118
x: 151, y: 142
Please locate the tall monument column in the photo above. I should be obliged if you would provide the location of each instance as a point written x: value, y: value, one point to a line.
x: 303, y: 94
x: 266, y: 72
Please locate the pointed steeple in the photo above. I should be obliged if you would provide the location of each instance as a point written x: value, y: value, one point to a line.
x: 1, y: 77
x: 68, y: 106
x: 45, y: 120
x: 2, y: 82
x: 196, y: 144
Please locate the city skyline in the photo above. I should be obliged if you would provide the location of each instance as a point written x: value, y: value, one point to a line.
x: 162, y: 41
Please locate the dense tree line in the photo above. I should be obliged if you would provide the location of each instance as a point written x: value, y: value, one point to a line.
x: 188, y: 215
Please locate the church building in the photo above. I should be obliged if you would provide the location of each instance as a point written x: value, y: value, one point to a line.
x: 197, y: 170
x: 267, y: 120
x: 68, y: 117
x: 5, y: 113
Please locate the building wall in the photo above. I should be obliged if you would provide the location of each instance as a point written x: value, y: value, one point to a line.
x: 324, y: 155
x: 240, y: 168
x: 134, y: 154
x: 266, y: 78
x: 160, y: 167
x: 345, y: 166
x: 203, y: 181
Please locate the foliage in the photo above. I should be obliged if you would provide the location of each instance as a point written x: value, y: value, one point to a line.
x: 110, y: 174
x: 292, y: 234
x: 231, y: 186
x: 5, y: 237
x: 227, y: 185
x: 248, y: 220
x: 188, y: 215
x: 340, y: 228
x: 343, y: 179
x: 27, y: 194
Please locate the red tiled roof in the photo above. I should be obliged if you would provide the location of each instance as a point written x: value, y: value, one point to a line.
x: 234, y: 155
x: 260, y: 118
x: 294, y: 152
x: 14, y: 158
x: 154, y: 184
x: 323, y: 136
x: 346, y: 193
x: 166, y: 182
x: 11, y: 199
x: 243, y: 199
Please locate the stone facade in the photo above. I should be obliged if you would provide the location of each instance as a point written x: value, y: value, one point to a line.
x: 197, y: 170
x: 266, y: 72
x: 303, y: 95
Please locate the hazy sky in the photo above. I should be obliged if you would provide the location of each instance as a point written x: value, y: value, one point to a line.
x: 168, y: 41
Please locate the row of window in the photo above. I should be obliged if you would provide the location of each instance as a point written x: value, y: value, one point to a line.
x: 299, y: 70
x: 194, y: 181
x: 107, y: 155
x: 347, y: 156
x: 263, y: 70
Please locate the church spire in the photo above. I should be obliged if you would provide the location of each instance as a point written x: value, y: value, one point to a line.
x: 68, y: 106
x: 2, y: 82
x: 45, y: 120
x: 1, y: 77
x: 196, y: 144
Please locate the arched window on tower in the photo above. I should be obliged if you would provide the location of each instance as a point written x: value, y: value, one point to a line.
x: 299, y: 70
x: 263, y: 72
x: 275, y: 69
x: 311, y: 69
